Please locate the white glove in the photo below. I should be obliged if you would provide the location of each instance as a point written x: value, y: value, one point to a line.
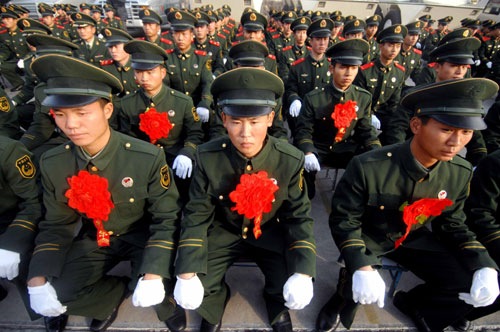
x: 183, y: 166
x: 375, y: 122
x: 203, y: 113
x: 43, y: 300
x: 484, y: 289
x: 9, y: 264
x: 224, y: 60
x: 295, y: 108
x: 477, y: 62
x: 188, y: 293
x: 20, y: 63
x: 298, y: 291
x: 368, y: 287
x: 489, y: 64
x: 14, y: 102
x: 418, y: 45
x: 311, y: 163
x: 148, y: 292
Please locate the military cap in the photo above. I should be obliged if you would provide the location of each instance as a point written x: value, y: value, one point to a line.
x: 181, y: 21
x: 72, y: 82
x: 248, y: 53
x: 301, y: 23
x: 226, y: 6
x: 213, y: 17
x: 495, y: 26
x: 202, y: 18
x: 115, y: 36
x: 253, y: 21
x: 338, y: 20
x: 7, y: 12
x: 317, y: 15
x: 81, y: 20
x: 320, y: 28
x: 425, y: 18
x: 210, y: 6
x: 487, y: 23
x: 431, y: 22
x: 247, y: 92
x: 145, y: 55
x: 22, y: 9
x: 336, y: 13
x: 309, y: 13
x: 415, y: 28
x: 350, y: 18
x: 348, y: 52
x: 459, y: 51
x: 46, y: 10
x: 109, y: 8
x: 454, y: 35
x: 374, y: 20
x: 464, y: 21
x: 84, y: 5
x: 251, y: 10
x: 71, y: 9
x: 58, y: 6
x: 393, y: 34
x: 354, y: 26
x: 46, y: 44
x: 473, y: 24
x: 226, y: 12
x: 150, y: 16
x: 445, y: 20
x: 218, y: 15
x: 456, y: 103
x: 28, y: 26
x: 96, y: 9
x: 289, y: 17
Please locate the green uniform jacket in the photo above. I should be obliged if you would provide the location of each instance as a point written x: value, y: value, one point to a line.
x: 20, y: 205
x: 492, y: 133
x: 144, y: 214
x: 412, y: 61
x: 366, y: 219
x: 114, y: 22
x: 316, y: 129
x: 214, y: 51
x: 98, y: 52
x: 12, y: 45
x: 31, y: 81
x: 160, y: 41
x: 59, y: 31
x: 9, y: 125
x: 289, y: 55
x: 186, y: 134
x: 280, y: 41
x: 432, y: 41
x: 287, y: 229
x: 373, y: 52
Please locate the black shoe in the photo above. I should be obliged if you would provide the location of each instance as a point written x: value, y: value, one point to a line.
x: 209, y: 327
x: 284, y: 323
x: 97, y: 325
x: 177, y: 322
x: 3, y: 293
x: 55, y: 324
x: 17, y: 88
x: 329, y: 317
x: 400, y: 301
x: 462, y: 325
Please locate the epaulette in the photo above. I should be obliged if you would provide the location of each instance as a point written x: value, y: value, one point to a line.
x: 200, y: 52
x: 141, y: 38
x: 117, y: 18
x: 270, y: 56
x: 218, y: 144
x: 165, y: 33
x: 433, y: 32
x: 272, y: 30
x: 234, y: 43
x: 458, y: 160
x: 288, y: 149
x: 59, y: 26
x: 58, y: 150
x: 226, y: 31
x: 329, y: 59
x: 417, y: 51
x: 132, y: 144
x: 309, y: 48
x: 400, y: 67
x: 485, y: 38
x: 221, y: 35
x: 239, y: 34
x: 276, y: 36
x: 296, y: 62
x: 3, y: 31
x: 367, y: 65
x: 213, y: 42
x: 289, y: 47
x: 169, y: 51
x: 431, y: 65
x: 105, y: 21
x: 166, y: 41
x: 341, y: 38
x: 106, y: 62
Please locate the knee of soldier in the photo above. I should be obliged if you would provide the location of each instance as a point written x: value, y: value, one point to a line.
x: 66, y: 290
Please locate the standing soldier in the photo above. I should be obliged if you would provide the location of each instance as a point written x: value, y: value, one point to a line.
x: 354, y: 29
x: 490, y: 46
x: 338, y: 25
x: 371, y: 30
x: 409, y: 56
x: 111, y: 20
x: 335, y: 123
x: 203, y: 43
x: 48, y: 18
x: 96, y: 13
x: 299, y: 50
x: 151, y: 25
x: 435, y: 36
x: 92, y: 49
x: 384, y: 79
x: 285, y: 37
x: 425, y: 31
x: 85, y: 8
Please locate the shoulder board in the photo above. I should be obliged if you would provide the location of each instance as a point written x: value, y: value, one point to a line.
x: 106, y: 62
x: 166, y: 41
x: 276, y: 36
x: 296, y: 62
x: 105, y: 21
x: 221, y: 35
x: 234, y: 43
x: 270, y: 56
x: 213, y: 42
x: 140, y: 38
x: 59, y: 26
x: 417, y: 51
x: 309, y: 48
x: 133, y: 144
x: 360, y: 90
x: 457, y: 160
x: 3, y: 31
x: 58, y: 150
x: 400, y: 67
x: 165, y: 33
x: 486, y: 38
x: 273, y: 30
x: 117, y: 18
x: 288, y: 149
x: 239, y: 34
x: 178, y: 94
x: 289, y: 47
x: 200, y: 52
x: 367, y: 65
x: 380, y: 154
x: 341, y: 38
x: 226, y: 31
x: 433, y: 32
x: 170, y: 51
x: 431, y: 65
x: 214, y: 145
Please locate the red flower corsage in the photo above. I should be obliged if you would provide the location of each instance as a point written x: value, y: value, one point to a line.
x: 155, y: 125
x: 343, y: 116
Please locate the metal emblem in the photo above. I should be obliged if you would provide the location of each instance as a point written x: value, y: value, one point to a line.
x: 442, y: 194
x: 107, y: 32
x: 466, y: 33
x: 195, y: 66
x: 356, y: 23
x: 393, y: 79
x: 322, y: 24
x: 397, y: 29
x: 178, y: 16
x: 253, y: 17
x: 26, y: 23
x: 127, y: 182
x: 171, y: 113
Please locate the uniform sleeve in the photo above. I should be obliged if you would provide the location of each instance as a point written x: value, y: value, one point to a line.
x: 21, y: 174
x: 425, y: 76
x: 305, y: 126
x: 292, y: 86
x: 278, y: 129
x: 283, y: 68
x: 476, y: 148
x: 206, y: 82
x: 491, y: 134
x: 364, y: 132
x: 192, y: 127
x: 218, y: 64
x: 9, y: 125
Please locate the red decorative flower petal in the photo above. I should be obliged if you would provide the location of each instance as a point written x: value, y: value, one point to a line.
x: 155, y: 125
x: 342, y: 116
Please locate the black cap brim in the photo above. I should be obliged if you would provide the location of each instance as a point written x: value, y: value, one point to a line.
x: 463, y: 122
x: 243, y: 111
x: 68, y: 100
x: 144, y: 65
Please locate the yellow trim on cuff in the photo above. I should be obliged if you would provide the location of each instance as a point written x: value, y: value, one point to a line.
x: 26, y: 221
x: 199, y: 240
x: 190, y: 245
x: 307, y: 247
x: 162, y: 241
x: 21, y: 225
x: 37, y: 251
x: 159, y: 246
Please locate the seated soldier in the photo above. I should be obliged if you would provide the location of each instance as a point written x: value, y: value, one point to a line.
x: 121, y: 190
x: 405, y: 202
x: 247, y: 176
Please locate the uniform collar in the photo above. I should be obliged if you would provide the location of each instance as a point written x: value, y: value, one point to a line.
x: 317, y: 63
x: 156, y: 99
x: 103, y: 158
x: 184, y: 55
x: 257, y: 162
x: 337, y: 93
x: 381, y: 66
x: 414, y: 169
x: 127, y: 66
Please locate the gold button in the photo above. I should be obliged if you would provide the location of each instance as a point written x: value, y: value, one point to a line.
x: 221, y: 197
x: 382, y: 207
x: 127, y: 145
x: 331, y: 147
x: 317, y: 76
x: 184, y: 69
x: 187, y: 93
x: 389, y: 154
x: 244, y: 236
x: 94, y: 169
x: 185, y: 82
x: 110, y: 232
x: 67, y: 147
x: 172, y: 92
x: 127, y: 92
x: 245, y: 229
x: 124, y: 81
x: 224, y: 145
x: 249, y: 167
x: 131, y: 200
x: 382, y: 92
x: 153, y: 104
x: 418, y: 111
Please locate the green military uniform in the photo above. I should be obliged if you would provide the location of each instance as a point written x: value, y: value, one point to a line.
x: 279, y: 40
x: 57, y: 30
x: 213, y: 236
x: 412, y: 58
x: 366, y: 219
x: 292, y: 53
x: 487, y: 52
x: 338, y: 21
x: 372, y: 42
x: 9, y: 125
x: 150, y: 16
x: 492, y: 133
x: 435, y: 37
x: 425, y: 31
x: 95, y: 52
x: 212, y: 47
x: 114, y: 22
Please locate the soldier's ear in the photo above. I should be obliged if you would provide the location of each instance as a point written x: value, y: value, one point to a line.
x: 415, y: 125
x: 108, y: 110
x: 270, y: 119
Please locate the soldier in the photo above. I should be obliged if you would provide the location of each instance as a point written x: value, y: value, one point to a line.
x: 299, y: 50
x: 488, y: 50
x: 48, y: 18
x: 96, y: 13
x: 435, y: 36
x: 409, y: 56
x: 120, y: 188
x: 111, y: 20
x: 387, y: 198
x: 354, y: 29
x: 284, y: 38
x: 9, y: 124
x: 371, y: 30
x: 203, y: 43
x: 213, y: 235
x: 85, y: 8
x: 185, y: 134
x: 12, y: 48
x: 216, y: 36
x: 151, y: 22
x: 384, y: 79
x: 324, y: 135
x: 92, y: 49
x: 425, y: 30
x: 338, y: 25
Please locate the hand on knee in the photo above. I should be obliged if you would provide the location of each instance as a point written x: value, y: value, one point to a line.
x: 188, y: 293
x: 43, y: 300
x: 298, y: 291
x: 368, y: 287
x: 484, y: 289
x: 148, y: 292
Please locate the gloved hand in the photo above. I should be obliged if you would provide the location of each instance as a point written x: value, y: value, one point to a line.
x: 43, y: 300
x: 183, y: 166
x: 368, y: 287
x: 477, y: 62
x: 9, y: 264
x: 295, y: 108
x: 20, y: 63
x: 418, y: 45
x: 224, y: 60
x: 188, y: 293
x: 375, y: 122
x: 298, y: 291
x: 311, y: 164
x: 489, y: 64
x: 203, y: 113
x: 148, y: 292
x: 484, y: 289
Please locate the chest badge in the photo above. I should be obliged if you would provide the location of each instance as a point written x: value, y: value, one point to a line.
x: 171, y: 113
x: 393, y: 80
x: 274, y: 181
x: 442, y: 194
x: 127, y: 182
x: 195, y: 66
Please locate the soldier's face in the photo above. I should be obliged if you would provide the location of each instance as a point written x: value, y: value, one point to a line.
x: 183, y: 39
x: 96, y: 16
x: 151, y: 29
x: 48, y: 20
x: 110, y: 14
x: 87, y: 126
x: 434, y: 141
x: 86, y: 11
x: 319, y: 44
x: 286, y: 29
x: 343, y: 75
x: 9, y: 22
x: 442, y: 27
x: 86, y: 33
x: 300, y: 37
x: 211, y: 28
x: 388, y: 51
x: 371, y: 30
x: 247, y: 134
x: 151, y: 80
x: 410, y: 40
x: 449, y: 71
x: 201, y: 32
x: 354, y: 35
x: 253, y: 35
x: 336, y: 30
x: 118, y: 53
